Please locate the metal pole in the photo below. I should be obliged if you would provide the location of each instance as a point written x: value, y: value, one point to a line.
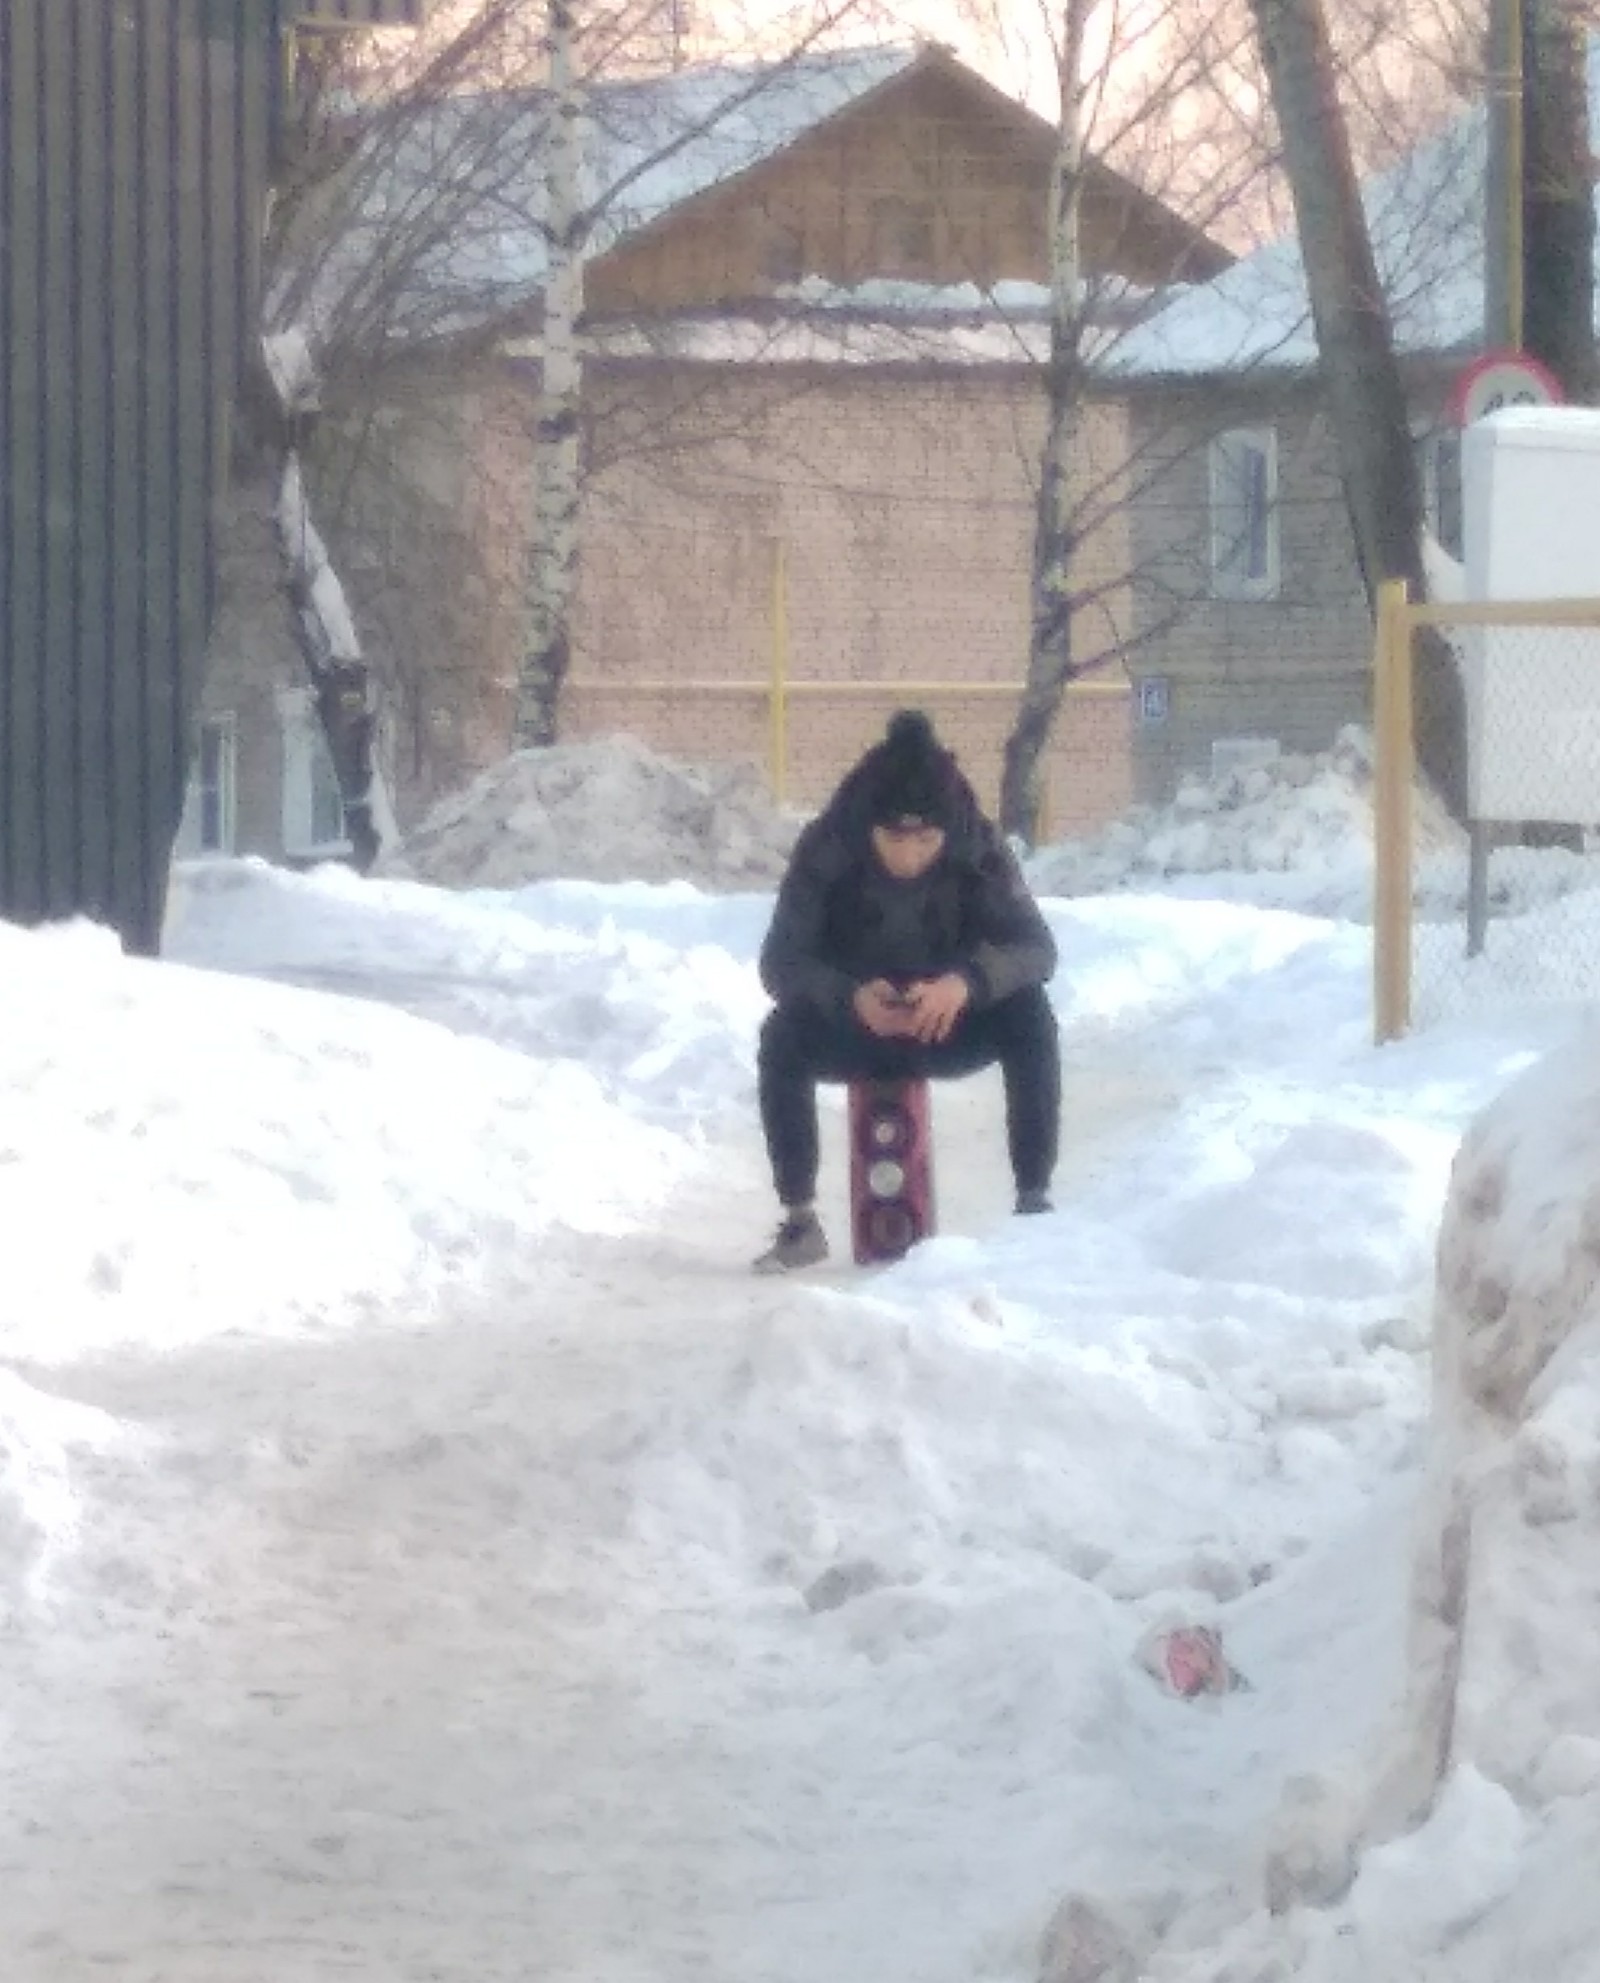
x: 1504, y: 295
x: 1478, y: 835
x: 778, y: 688
x: 1516, y: 148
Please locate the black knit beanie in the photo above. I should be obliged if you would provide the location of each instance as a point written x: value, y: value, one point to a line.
x: 913, y: 776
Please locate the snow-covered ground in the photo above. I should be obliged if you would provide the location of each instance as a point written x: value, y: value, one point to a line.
x: 417, y: 1524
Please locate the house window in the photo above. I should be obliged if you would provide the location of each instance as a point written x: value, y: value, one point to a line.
x: 1244, y: 514
x: 902, y: 237
x: 1439, y: 470
x: 313, y: 808
x: 209, y: 821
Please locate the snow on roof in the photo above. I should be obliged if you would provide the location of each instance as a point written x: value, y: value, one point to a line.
x: 827, y: 338
x: 717, y: 122
x: 1427, y: 219
x: 889, y: 295
x: 455, y: 199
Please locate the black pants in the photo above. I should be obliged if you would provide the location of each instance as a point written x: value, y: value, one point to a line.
x: 801, y: 1046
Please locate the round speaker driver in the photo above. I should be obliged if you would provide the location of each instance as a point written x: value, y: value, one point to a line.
x: 891, y: 1228
x: 890, y: 1131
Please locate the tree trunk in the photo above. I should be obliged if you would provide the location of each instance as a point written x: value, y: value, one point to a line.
x: 340, y: 679
x: 1557, y: 199
x: 1050, y: 646
x: 1356, y: 345
x: 279, y: 411
x: 557, y: 446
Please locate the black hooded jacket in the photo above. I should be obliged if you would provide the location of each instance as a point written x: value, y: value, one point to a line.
x: 842, y: 920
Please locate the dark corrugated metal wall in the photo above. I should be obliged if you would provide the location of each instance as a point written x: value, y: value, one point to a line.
x: 133, y: 147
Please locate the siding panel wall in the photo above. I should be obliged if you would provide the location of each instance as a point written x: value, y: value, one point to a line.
x: 133, y: 154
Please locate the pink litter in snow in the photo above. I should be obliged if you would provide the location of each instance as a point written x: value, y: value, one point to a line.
x: 1189, y: 1661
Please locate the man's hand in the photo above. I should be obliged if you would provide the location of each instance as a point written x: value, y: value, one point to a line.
x: 936, y: 1005
x: 883, y: 1010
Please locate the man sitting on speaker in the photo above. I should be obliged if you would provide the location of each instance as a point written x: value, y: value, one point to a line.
x: 905, y: 944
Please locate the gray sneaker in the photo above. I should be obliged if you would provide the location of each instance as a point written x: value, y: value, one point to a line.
x: 1031, y: 1203
x: 800, y: 1242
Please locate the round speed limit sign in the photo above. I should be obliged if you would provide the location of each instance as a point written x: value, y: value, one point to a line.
x: 1500, y: 379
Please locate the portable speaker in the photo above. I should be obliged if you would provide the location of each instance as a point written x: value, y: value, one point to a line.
x: 891, y: 1168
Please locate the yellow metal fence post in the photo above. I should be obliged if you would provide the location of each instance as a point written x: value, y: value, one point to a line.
x: 1393, y: 774
x: 778, y: 687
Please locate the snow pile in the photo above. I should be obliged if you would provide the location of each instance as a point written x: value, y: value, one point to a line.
x: 1309, y: 816
x: 1294, y: 831
x: 608, y: 809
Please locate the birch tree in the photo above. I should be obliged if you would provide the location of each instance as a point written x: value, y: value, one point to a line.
x: 558, y: 446
x: 324, y: 628
x: 415, y: 170
x: 335, y: 290
x: 1051, y: 647
x: 1095, y: 46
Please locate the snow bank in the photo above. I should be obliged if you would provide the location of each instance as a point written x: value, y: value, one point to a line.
x: 608, y: 809
x: 1306, y: 817
x: 1509, y: 1575
x: 1458, y: 1862
x: 607, y: 977
x: 184, y: 1153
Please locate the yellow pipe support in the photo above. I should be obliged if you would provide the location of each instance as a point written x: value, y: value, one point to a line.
x: 1382, y: 669
x: 1507, y: 613
x: 1392, y: 775
x: 883, y: 690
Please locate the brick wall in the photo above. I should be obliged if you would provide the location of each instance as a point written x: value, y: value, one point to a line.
x: 902, y: 509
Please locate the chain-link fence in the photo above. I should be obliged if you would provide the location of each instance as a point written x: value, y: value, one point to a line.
x: 727, y: 643
x: 1528, y: 676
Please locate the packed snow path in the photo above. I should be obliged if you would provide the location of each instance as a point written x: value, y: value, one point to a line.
x: 593, y: 1610
x: 479, y: 1645
x: 449, y: 1603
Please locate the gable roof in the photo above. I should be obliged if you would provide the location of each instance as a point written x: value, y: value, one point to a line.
x: 743, y: 116
x: 1426, y: 215
x: 652, y: 146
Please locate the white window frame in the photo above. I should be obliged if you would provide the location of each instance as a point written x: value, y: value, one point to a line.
x: 1235, y: 527
x: 191, y: 842
x: 305, y: 755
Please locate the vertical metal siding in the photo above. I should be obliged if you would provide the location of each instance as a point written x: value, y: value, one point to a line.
x: 133, y: 152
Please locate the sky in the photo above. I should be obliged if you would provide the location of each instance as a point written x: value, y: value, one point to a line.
x: 428, y: 1552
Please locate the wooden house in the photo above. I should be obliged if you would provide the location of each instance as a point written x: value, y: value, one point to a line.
x: 816, y: 314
